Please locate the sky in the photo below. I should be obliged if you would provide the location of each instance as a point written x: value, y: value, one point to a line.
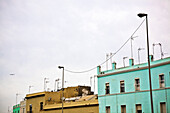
x: 37, y: 36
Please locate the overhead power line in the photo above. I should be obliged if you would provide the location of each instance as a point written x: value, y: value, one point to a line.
x: 88, y: 70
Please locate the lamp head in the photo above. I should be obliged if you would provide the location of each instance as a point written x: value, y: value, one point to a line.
x: 125, y: 57
x: 60, y: 67
x: 142, y: 15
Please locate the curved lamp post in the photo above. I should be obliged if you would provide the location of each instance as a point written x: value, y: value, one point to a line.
x: 61, y: 67
x: 150, y: 83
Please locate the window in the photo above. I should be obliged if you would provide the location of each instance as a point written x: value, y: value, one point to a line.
x: 122, y: 86
x: 30, y: 108
x: 161, y: 81
x: 137, y: 84
x: 23, y: 110
x: 41, y: 105
x: 138, y: 108
x: 107, y: 109
x: 163, y: 107
x: 107, y: 88
x: 123, y: 108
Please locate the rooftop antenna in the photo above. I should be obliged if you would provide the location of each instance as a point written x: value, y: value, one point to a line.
x: 57, y: 80
x: 111, y: 58
x: 131, y: 39
x: 65, y: 82
x: 162, y: 54
x: 124, y: 61
x: 107, y: 55
x: 30, y: 88
x: 94, y: 82
x: 139, y: 49
x: 91, y: 81
x: 111, y: 55
x: 45, y: 82
x: 17, y: 97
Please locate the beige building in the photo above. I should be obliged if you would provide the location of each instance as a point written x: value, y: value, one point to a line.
x: 76, y: 99
x: 23, y: 106
x: 85, y: 104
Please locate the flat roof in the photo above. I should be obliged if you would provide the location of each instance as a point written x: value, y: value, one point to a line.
x: 71, y: 105
x: 155, y: 63
x: 35, y: 95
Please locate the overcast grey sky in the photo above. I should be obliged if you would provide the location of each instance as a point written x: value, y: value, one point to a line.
x: 38, y: 35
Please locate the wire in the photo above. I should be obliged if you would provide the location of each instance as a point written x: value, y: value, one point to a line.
x: 110, y: 56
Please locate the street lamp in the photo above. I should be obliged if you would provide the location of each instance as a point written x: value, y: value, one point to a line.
x: 150, y: 83
x: 61, y: 67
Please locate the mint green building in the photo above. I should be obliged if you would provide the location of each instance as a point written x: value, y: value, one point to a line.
x: 16, y: 108
x: 126, y: 90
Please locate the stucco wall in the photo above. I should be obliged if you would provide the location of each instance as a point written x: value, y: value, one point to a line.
x: 131, y: 97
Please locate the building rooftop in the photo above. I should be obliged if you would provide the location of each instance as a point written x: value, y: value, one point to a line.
x: 134, y: 67
x: 79, y: 101
x: 35, y: 95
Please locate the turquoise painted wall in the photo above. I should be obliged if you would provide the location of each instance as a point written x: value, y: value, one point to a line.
x: 131, y: 97
x: 16, y: 108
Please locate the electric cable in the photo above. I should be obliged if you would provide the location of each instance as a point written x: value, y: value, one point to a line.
x: 110, y: 56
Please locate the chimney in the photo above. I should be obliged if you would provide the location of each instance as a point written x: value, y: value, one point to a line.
x: 151, y: 58
x: 114, y: 65
x: 131, y: 62
x: 98, y: 69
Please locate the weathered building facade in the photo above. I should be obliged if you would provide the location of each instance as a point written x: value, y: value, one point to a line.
x: 50, y: 102
x: 126, y: 90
